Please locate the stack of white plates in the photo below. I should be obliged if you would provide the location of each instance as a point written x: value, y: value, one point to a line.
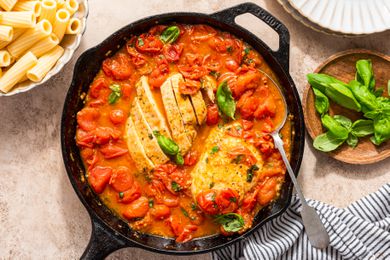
x: 354, y: 17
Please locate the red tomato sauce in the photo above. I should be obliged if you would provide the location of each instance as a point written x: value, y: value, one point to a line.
x: 146, y: 202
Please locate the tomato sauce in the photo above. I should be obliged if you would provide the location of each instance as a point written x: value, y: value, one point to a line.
x: 198, y: 51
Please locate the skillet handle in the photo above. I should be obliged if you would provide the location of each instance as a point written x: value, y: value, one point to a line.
x: 229, y: 15
x: 101, y: 243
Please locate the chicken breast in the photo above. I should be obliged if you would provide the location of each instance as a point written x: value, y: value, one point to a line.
x: 145, y: 134
x: 148, y: 104
x: 179, y: 134
x: 209, y: 84
x: 199, y: 107
x: 219, y: 167
x: 185, y: 107
x: 136, y: 150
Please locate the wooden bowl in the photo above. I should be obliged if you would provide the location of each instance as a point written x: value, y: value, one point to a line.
x: 342, y: 67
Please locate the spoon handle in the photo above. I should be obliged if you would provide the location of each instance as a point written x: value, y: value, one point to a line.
x: 315, y: 230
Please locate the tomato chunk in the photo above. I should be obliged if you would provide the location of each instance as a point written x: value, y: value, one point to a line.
x: 227, y: 200
x: 117, y: 116
x: 191, y: 158
x: 86, y: 118
x: 96, y: 86
x: 172, y: 52
x: 212, y: 115
x: 267, y: 192
x: 159, y: 74
x: 206, y: 201
x: 99, y: 177
x: 122, y: 179
x: 160, y: 211
x: 110, y: 151
x: 118, y: 67
x: 148, y: 43
x: 137, y: 209
x: 131, y: 194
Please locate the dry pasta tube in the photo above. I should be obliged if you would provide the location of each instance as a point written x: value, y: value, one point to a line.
x: 72, y: 6
x: 1, y: 73
x: 61, y: 22
x: 74, y: 26
x: 60, y: 4
x: 34, y: 6
x: 48, y: 12
x: 5, y: 59
x: 44, y: 64
x: 12, y: 76
x: 7, y: 4
x: 17, y: 33
x: 29, y: 38
x: 6, y: 33
x: 45, y: 45
x: 25, y: 19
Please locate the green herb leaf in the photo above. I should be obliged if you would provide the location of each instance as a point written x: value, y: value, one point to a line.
x: 381, y: 129
x: 193, y: 206
x: 214, y: 149
x: 250, y: 172
x: 327, y: 142
x: 362, y: 128
x: 321, y: 102
x: 365, y: 74
x: 179, y: 159
x: 233, y: 199
x: 237, y: 159
x: 231, y: 222
x: 344, y: 121
x: 151, y: 203
x: 364, y: 96
x: 121, y: 195
x: 225, y: 100
x: 321, y: 81
x: 378, y: 92
x: 140, y: 42
x: 334, y: 127
x: 166, y: 144
x: 175, y: 186
x: 247, y: 50
x: 352, y: 140
x: 170, y: 34
x: 229, y: 49
x: 215, y: 74
x: 115, y: 93
x: 342, y: 95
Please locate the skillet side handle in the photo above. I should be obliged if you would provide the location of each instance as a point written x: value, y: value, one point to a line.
x: 101, y: 243
x: 229, y: 15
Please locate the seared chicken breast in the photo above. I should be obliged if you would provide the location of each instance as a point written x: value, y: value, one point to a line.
x: 199, y: 107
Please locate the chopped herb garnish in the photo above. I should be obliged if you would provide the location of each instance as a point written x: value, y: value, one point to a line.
x: 213, y: 197
x: 185, y: 213
x: 147, y: 178
x: 150, y: 136
x: 250, y: 172
x: 231, y: 222
x: 237, y: 159
x: 179, y: 159
x: 247, y: 50
x: 211, y: 185
x: 229, y: 49
x: 175, y: 186
x: 193, y: 206
x: 214, y: 149
x: 233, y: 199
x: 151, y: 203
x: 215, y: 74
x: 115, y: 93
x: 121, y: 195
x: 140, y: 42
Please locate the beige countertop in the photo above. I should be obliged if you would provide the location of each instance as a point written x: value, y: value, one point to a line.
x: 40, y: 215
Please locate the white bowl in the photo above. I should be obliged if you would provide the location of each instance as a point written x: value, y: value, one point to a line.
x: 70, y: 43
x: 347, y: 16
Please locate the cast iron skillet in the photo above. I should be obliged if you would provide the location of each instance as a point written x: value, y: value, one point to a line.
x: 109, y: 232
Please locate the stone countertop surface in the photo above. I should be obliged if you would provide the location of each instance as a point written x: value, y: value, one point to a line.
x: 40, y: 214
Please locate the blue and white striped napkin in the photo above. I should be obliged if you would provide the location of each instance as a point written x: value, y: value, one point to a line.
x: 360, y: 231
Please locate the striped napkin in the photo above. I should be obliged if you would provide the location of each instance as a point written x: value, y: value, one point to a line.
x: 360, y: 231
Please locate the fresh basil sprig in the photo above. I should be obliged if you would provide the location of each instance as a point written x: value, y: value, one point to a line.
x: 115, y: 94
x: 169, y: 147
x: 231, y: 222
x: 365, y: 74
x: 321, y: 102
x: 170, y: 34
x: 225, y: 101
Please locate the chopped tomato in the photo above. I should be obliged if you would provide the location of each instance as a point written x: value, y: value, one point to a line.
x: 159, y: 74
x: 221, y: 44
x: 227, y: 200
x: 148, y: 43
x: 172, y: 51
x: 267, y: 191
x: 86, y: 118
x: 96, y: 86
x: 191, y: 158
x: 137, y: 58
x: 110, y: 151
x: 202, y: 32
x: 266, y: 108
x: 126, y: 89
x: 212, y: 115
x: 186, y: 234
x: 137, y: 209
x: 160, y: 211
x: 122, y: 179
x: 105, y: 134
x: 211, y: 63
x: 206, y: 201
x: 131, y: 194
x: 84, y: 139
x: 118, y: 67
x: 182, y: 231
x: 249, y: 80
x: 249, y: 201
x: 192, y: 67
x: 169, y: 201
x: 189, y: 87
x: 247, y: 156
x: 90, y: 156
x: 247, y: 125
x: 99, y: 177
x: 117, y: 116
x: 231, y: 64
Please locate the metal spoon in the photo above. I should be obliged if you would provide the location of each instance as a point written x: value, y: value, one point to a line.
x: 315, y: 229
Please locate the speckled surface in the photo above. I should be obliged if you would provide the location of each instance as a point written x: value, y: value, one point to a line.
x: 40, y: 215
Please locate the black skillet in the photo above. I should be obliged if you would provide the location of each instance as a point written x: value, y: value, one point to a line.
x: 109, y: 232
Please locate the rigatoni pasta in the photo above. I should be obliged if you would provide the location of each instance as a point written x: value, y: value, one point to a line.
x: 48, y: 12
x: 5, y: 59
x: 18, y: 19
x: 74, y: 26
x: 34, y: 6
x: 72, y: 6
x: 61, y: 23
x: 12, y: 76
x: 45, y: 45
x: 44, y: 64
x: 7, y: 4
x: 27, y: 39
x: 6, y: 33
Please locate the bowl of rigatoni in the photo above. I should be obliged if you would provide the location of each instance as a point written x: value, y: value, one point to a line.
x: 37, y: 39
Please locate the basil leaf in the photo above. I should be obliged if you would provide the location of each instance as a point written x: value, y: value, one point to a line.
x: 344, y: 121
x: 231, y: 222
x: 334, y: 127
x: 381, y: 129
x: 365, y: 74
x: 321, y: 102
x: 364, y: 96
x: 378, y: 92
x: 327, y: 142
x: 170, y: 34
x: 166, y: 144
x: 225, y: 100
x: 151, y: 203
x: 342, y: 95
x: 175, y: 186
x: 250, y: 172
x: 214, y: 149
x: 352, y: 140
x: 179, y: 159
x: 321, y: 81
x: 140, y: 42
x: 362, y: 127
x: 115, y: 94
